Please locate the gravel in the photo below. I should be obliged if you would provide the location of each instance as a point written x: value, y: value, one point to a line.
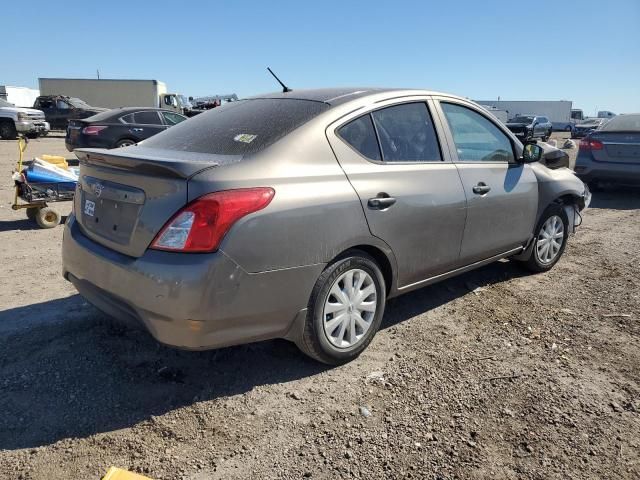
x: 522, y: 376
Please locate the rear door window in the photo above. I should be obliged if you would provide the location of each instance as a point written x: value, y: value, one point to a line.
x: 239, y: 128
x: 147, y: 118
x: 361, y: 135
x: 406, y: 133
x: 476, y: 138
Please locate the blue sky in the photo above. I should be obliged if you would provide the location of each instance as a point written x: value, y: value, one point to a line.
x: 587, y: 51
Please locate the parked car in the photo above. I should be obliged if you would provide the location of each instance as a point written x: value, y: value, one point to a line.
x: 18, y: 120
x: 588, y: 125
x: 298, y: 214
x: 120, y: 127
x: 59, y: 109
x: 611, y: 154
x: 528, y: 127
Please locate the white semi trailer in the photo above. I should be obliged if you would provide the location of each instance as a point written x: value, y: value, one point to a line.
x: 113, y: 93
x: 559, y: 112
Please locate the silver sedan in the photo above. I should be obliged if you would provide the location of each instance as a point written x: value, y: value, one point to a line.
x: 298, y: 214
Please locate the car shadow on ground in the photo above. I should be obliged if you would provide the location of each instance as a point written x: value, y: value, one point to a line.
x: 616, y: 198
x: 24, y: 224
x: 67, y: 371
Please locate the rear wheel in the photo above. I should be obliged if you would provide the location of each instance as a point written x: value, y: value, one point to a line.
x: 8, y: 130
x: 47, y: 218
x: 32, y: 212
x: 567, y: 128
x: 552, y: 233
x: 127, y: 142
x: 345, y: 309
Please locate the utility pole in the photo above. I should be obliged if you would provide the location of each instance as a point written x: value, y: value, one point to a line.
x: 98, y: 73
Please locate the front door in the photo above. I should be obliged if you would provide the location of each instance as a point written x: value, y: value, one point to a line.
x: 409, y: 190
x: 502, y: 194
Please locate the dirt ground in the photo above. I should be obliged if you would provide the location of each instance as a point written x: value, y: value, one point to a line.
x: 494, y: 374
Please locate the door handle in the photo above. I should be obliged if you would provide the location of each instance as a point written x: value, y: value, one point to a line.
x: 381, y: 202
x: 481, y: 188
x: 137, y: 129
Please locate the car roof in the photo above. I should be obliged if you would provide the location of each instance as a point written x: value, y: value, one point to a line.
x: 120, y: 111
x: 330, y: 96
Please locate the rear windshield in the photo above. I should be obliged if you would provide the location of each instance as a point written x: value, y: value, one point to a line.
x: 238, y: 128
x: 627, y: 123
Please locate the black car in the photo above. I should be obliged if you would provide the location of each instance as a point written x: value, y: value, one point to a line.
x: 60, y: 109
x: 119, y: 127
x: 528, y: 127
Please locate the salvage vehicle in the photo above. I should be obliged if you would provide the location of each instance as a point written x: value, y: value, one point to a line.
x: 19, y: 120
x: 587, y: 126
x: 528, y: 127
x: 120, y: 127
x: 298, y: 214
x: 59, y: 109
x: 611, y: 154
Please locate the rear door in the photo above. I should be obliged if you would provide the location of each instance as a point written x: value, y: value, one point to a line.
x: 409, y: 190
x: 502, y: 195
x: 146, y: 123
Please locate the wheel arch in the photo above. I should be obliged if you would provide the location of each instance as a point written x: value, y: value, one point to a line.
x: 383, y: 257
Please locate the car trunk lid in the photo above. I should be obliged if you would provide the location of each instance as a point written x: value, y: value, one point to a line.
x: 125, y: 196
x: 617, y: 147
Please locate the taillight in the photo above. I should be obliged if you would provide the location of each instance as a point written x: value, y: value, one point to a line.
x: 590, y: 144
x: 93, y: 130
x: 202, y: 224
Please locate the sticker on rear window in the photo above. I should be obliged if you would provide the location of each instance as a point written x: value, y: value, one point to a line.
x: 245, y: 138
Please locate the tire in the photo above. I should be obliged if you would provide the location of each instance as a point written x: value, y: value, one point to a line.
x: 32, y: 212
x: 537, y: 260
x: 568, y: 128
x: 345, y: 340
x: 47, y: 218
x: 8, y: 130
x: 125, y: 142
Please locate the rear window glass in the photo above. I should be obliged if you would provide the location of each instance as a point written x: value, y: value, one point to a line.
x: 407, y: 133
x: 360, y: 135
x: 624, y: 123
x: 238, y: 128
x: 147, y: 118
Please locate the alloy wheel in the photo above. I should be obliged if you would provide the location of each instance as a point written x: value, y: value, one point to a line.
x: 550, y: 238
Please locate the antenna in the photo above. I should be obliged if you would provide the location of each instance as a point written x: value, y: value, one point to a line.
x: 285, y: 89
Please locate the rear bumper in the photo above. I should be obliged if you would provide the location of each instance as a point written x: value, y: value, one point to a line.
x: 589, y: 170
x: 191, y: 301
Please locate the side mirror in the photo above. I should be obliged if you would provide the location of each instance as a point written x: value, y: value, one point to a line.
x: 532, y: 153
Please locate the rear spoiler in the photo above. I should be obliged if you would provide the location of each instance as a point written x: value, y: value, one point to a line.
x: 151, y: 161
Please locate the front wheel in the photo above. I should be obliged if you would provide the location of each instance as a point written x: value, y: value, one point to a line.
x: 345, y: 309
x: 552, y: 233
x: 8, y: 130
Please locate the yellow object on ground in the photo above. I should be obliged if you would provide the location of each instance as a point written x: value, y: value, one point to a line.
x: 119, y: 474
x: 57, y: 160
